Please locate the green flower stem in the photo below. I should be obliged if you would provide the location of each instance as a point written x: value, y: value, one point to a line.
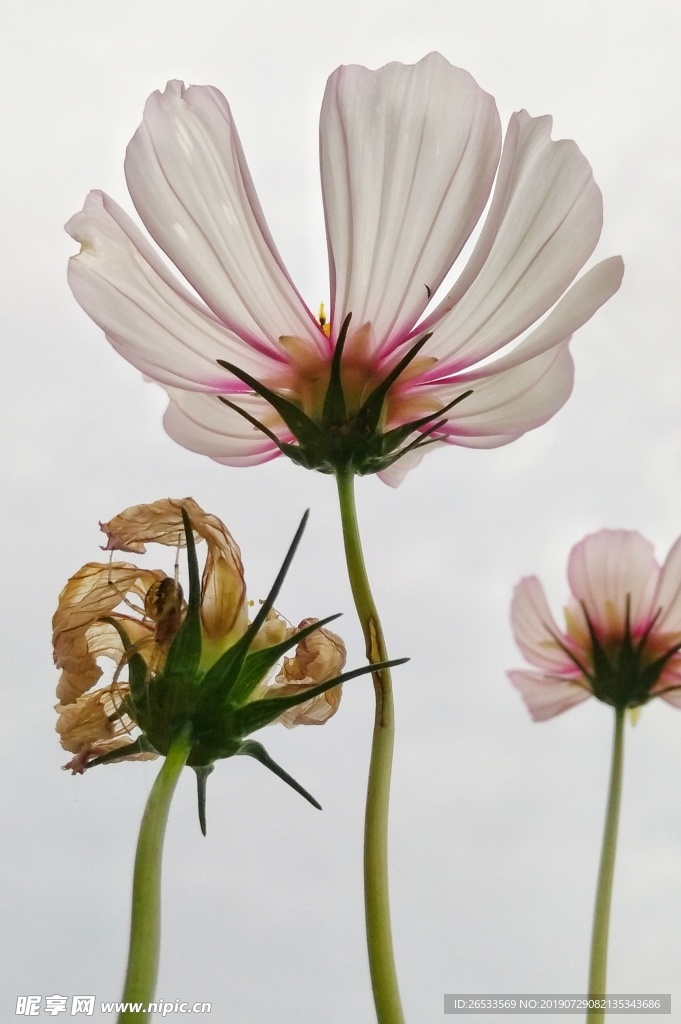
x: 376, y: 899
x: 599, y: 938
x: 145, y: 927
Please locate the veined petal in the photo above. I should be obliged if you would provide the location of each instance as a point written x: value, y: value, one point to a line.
x: 78, y: 637
x: 544, y: 222
x: 526, y: 387
x: 205, y: 425
x: 575, y: 309
x: 223, y: 592
x: 318, y: 658
x: 610, y: 569
x: 154, y: 322
x: 395, y: 474
x: 668, y: 596
x: 535, y: 629
x: 190, y: 183
x: 408, y: 155
x: 507, y: 403
x: 547, y: 696
x: 672, y: 697
x: 85, y: 724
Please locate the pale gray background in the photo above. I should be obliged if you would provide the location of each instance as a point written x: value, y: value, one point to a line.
x: 496, y: 822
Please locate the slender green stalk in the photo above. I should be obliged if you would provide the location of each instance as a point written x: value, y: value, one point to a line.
x: 599, y: 938
x: 376, y: 898
x: 145, y: 926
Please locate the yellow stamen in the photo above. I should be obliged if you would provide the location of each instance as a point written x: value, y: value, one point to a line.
x: 321, y: 316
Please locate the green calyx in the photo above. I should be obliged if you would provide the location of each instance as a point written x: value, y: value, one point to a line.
x: 340, y: 442
x: 623, y: 672
x: 215, y: 705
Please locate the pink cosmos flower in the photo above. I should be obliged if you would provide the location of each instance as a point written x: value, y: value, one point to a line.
x: 409, y: 155
x: 622, y: 633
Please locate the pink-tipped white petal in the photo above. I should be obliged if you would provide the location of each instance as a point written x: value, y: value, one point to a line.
x: 190, y: 183
x: 153, y: 321
x: 547, y: 696
x: 408, y: 155
x: 204, y: 424
x: 672, y: 697
x: 506, y: 404
x: 535, y: 629
x: 543, y: 225
x: 526, y: 387
x: 575, y: 309
x: 668, y: 596
x: 610, y: 569
x: 395, y: 474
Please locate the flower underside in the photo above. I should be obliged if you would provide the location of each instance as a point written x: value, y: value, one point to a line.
x: 621, y: 641
x: 411, y: 157
x: 339, y: 439
x: 622, y: 670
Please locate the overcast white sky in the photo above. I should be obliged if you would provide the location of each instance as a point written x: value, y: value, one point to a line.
x: 496, y: 822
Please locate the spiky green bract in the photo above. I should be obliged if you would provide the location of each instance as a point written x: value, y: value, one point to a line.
x: 139, y: 746
x: 137, y: 671
x: 257, y: 751
x: 185, y: 651
x: 622, y: 672
x: 216, y: 708
x: 259, y: 713
x: 225, y: 676
x: 201, y: 779
x: 339, y: 442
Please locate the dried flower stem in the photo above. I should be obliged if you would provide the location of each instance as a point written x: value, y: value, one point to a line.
x: 376, y: 897
x: 145, y: 926
x: 601, y: 924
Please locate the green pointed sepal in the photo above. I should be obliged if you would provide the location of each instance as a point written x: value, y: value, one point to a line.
x: 388, y: 448
x: 259, y: 713
x: 202, y: 772
x: 256, y: 750
x: 137, y: 671
x: 185, y: 651
x: 304, y: 429
x: 229, y: 679
x: 139, y: 746
x: 257, y: 664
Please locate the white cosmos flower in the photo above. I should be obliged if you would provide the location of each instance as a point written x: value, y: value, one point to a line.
x: 409, y: 156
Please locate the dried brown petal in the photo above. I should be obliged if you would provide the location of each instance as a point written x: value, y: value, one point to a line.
x: 319, y: 657
x: 223, y: 592
x: 80, y: 762
x: 95, y: 725
x: 87, y: 722
x: 274, y: 630
x: 79, y: 638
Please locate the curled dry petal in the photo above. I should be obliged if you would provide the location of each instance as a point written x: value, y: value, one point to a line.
x: 95, y: 725
x: 223, y: 592
x: 273, y: 631
x: 78, y: 635
x: 318, y: 658
x: 90, y: 721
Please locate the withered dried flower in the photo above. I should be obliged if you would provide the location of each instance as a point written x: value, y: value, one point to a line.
x: 196, y: 663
